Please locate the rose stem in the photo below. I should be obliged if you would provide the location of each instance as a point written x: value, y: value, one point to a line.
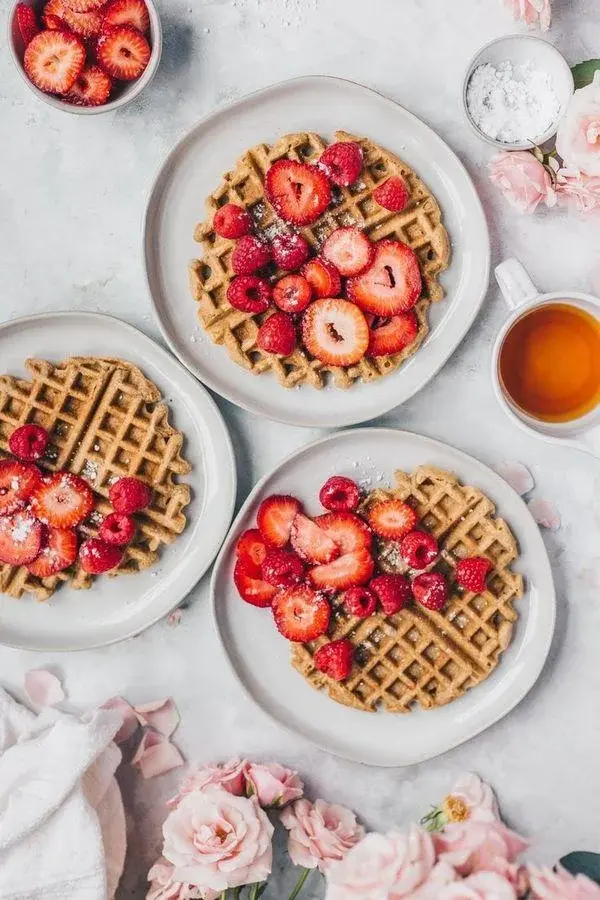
x: 300, y: 884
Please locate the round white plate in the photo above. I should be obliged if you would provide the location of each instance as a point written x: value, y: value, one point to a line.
x: 195, y: 168
x: 117, y: 608
x: 259, y: 656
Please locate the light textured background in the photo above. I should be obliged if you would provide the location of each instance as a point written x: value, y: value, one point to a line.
x: 72, y: 196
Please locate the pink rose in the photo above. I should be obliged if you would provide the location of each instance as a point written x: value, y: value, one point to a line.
x: 523, y: 180
x: 320, y: 833
x: 561, y: 885
x: 272, y: 784
x: 471, y: 798
x: 481, y: 886
x: 164, y: 887
x: 216, y: 839
x: 577, y: 190
x: 229, y: 776
x: 440, y: 875
x: 578, y: 138
x: 479, y: 846
x: 533, y: 12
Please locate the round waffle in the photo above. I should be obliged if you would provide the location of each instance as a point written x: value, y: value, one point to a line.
x: 419, y: 225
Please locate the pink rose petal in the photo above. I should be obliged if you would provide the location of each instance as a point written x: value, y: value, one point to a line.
x: 130, y: 721
x: 156, y: 755
x: 517, y: 475
x: 545, y: 514
x: 174, y: 618
x: 160, y: 714
x: 43, y: 688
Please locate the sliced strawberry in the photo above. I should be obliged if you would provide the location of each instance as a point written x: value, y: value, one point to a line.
x: 20, y: 538
x: 54, y: 61
x: 301, y: 614
x: 251, y: 589
x: 430, y: 589
x: 290, y: 250
x: 85, y: 24
x: 335, y: 331
x: 53, y: 22
x: 392, y: 335
x: 59, y: 551
x: 26, y: 22
x: 277, y: 335
x: 343, y: 572
x: 392, y: 284
x: 340, y: 494
x: 348, y: 531
x: 127, y: 12
x: 282, y: 568
x: 123, y: 52
x: 342, y: 162
x: 311, y: 542
x: 392, y: 194
x: 335, y: 659
x: 83, y: 6
x: 349, y: 250
x: 292, y: 293
x: 230, y: 221
x: 391, y: 519
x: 323, y: 277
x: 251, y: 549
x: 18, y: 480
x: 275, y: 517
x: 92, y: 88
x: 249, y: 293
x: 298, y: 193
x: 62, y: 500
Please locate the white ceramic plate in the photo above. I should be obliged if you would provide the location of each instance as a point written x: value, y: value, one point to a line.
x: 194, y: 169
x: 259, y: 656
x: 116, y: 608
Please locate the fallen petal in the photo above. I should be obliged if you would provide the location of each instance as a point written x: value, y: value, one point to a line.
x: 517, y: 475
x: 545, y: 514
x: 130, y: 721
x: 43, y: 688
x: 156, y: 755
x: 174, y: 618
x: 160, y: 714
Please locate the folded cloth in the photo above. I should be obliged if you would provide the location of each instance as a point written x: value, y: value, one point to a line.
x: 57, y: 796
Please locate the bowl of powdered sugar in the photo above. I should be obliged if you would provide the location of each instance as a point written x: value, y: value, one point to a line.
x: 516, y: 91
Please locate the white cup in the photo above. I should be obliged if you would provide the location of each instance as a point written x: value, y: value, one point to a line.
x: 522, y: 296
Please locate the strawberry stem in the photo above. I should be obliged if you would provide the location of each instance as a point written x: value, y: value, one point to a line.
x: 300, y: 883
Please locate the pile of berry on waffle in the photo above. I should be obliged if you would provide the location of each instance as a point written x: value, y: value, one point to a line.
x: 395, y: 598
x: 319, y: 261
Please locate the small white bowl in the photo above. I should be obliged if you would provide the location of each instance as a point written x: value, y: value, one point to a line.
x: 126, y: 91
x: 519, y: 49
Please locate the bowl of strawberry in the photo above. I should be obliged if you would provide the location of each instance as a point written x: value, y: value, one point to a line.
x: 86, y: 56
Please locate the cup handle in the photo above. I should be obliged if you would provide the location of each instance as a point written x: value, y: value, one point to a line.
x: 514, y: 282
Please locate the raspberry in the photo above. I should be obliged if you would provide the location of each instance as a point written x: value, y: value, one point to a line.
x: 360, y: 602
x: 97, y: 556
x: 470, y: 573
x: 342, y: 162
x: 117, y: 529
x: 249, y: 293
x: 392, y: 194
x: 232, y: 221
x: 290, y: 250
x: 335, y: 659
x: 419, y: 549
x: 430, y: 589
x: 282, y: 568
x: 249, y: 254
x: 277, y: 335
x: 340, y: 494
x: 392, y: 591
x: 28, y: 442
x: 129, y: 495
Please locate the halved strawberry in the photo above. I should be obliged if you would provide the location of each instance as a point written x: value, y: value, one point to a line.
x: 20, y: 538
x: 54, y: 61
x: 335, y: 331
x: 348, y: 531
x: 92, y: 88
x: 83, y: 6
x: 311, y: 542
x: 18, y: 480
x: 53, y: 22
x: 251, y: 549
x: 301, y: 614
x: 62, y: 500
x: 127, y: 12
x: 85, y: 24
x: 349, y: 250
x: 26, y: 22
x: 343, y: 572
x: 59, y: 551
x: 342, y: 162
x: 392, y: 335
x: 323, y: 277
x: 292, y: 293
x: 298, y: 193
x: 251, y: 589
x: 275, y: 516
x: 123, y: 52
x: 391, y: 519
x: 392, y: 284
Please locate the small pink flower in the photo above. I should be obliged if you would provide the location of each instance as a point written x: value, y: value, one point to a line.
x: 476, y: 846
x: 272, y: 784
x: 578, y: 138
x: 481, y: 886
x: 471, y: 798
x: 533, y: 12
x: 229, y: 776
x: 561, y: 885
x: 523, y: 180
x: 216, y: 839
x: 320, y: 833
x: 164, y: 887
x: 581, y: 192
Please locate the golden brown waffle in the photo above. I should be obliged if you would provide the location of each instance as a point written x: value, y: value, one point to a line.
x: 419, y: 225
x: 421, y: 657
x: 105, y: 421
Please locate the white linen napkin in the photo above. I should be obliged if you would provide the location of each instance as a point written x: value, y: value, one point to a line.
x: 56, y: 788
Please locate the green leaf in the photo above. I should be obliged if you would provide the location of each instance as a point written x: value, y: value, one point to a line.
x: 583, y: 73
x: 584, y: 863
